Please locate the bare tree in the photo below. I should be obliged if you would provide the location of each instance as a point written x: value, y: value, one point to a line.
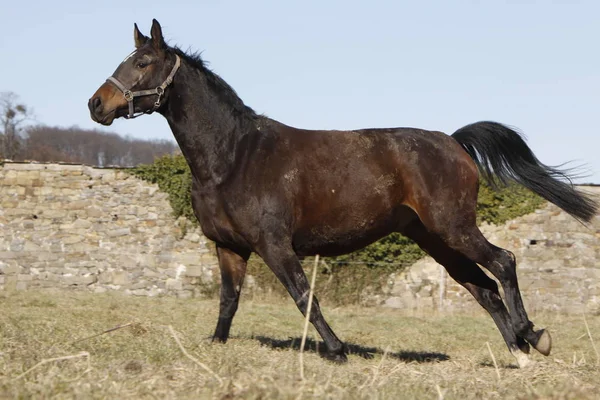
x: 13, y: 118
x: 47, y: 143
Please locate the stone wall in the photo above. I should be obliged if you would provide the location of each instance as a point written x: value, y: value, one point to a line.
x: 73, y: 226
x: 79, y: 227
x: 558, y: 266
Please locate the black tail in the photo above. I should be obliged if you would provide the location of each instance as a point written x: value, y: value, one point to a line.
x: 502, y: 155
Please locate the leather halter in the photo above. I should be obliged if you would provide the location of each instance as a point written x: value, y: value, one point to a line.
x: 159, y: 91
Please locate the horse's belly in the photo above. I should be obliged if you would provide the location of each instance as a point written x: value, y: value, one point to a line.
x: 332, y: 238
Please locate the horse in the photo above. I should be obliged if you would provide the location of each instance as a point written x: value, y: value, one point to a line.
x: 260, y: 186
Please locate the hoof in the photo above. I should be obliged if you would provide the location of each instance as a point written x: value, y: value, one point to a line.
x: 338, y: 358
x: 544, y: 342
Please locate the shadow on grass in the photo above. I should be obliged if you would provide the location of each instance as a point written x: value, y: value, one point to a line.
x: 355, y: 349
x: 488, y: 364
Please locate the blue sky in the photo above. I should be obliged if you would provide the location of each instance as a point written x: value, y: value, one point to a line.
x: 334, y: 64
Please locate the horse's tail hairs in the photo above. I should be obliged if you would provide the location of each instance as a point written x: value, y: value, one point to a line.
x: 503, y: 156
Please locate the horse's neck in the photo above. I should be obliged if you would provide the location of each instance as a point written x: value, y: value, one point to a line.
x: 206, y: 129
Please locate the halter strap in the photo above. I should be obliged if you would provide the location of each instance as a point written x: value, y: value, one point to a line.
x: 159, y: 91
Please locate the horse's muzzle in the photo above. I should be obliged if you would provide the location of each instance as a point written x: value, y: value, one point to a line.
x: 104, y: 103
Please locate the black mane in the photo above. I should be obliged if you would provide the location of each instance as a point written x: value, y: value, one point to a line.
x: 225, y: 92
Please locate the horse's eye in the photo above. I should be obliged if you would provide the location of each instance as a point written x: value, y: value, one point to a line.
x: 142, y: 64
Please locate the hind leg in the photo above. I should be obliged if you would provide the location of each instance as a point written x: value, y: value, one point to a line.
x: 470, y: 276
x: 502, y: 264
x: 463, y: 236
x: 446, y: 203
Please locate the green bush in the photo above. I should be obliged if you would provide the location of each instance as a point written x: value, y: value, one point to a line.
x: 499, y: 206
x: 173, y: 176
x: 349, y: 275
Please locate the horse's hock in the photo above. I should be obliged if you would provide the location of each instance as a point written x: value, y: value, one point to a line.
x: 74, y: 226
x: 98, y: 229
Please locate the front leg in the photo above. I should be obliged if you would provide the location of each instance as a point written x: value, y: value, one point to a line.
x: 279, y: 255
x: 233, y: 269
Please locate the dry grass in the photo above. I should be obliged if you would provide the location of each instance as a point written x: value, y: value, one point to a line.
x: 396, y: 355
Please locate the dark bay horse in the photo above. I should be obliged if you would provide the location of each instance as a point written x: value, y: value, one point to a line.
x: 281, y: 192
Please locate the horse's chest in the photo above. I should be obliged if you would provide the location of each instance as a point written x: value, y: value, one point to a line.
x: 217, y: 223
x: 212, y: 218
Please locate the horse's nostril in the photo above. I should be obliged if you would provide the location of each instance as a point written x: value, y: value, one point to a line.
x: 97, y: 103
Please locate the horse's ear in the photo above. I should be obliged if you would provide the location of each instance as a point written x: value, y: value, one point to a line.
x: 157, y: 37
x: 138, y: 37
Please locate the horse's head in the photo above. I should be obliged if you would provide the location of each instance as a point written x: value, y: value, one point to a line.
x: 139, y: 83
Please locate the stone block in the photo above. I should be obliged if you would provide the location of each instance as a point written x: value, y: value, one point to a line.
x: 95, y: 212
x: 72, y: 239
x: 10, y: 174
x: 146, y: 260
x: 119, y: 232
x: 155, y: 291
x: 139, y: 285
x: 207, y: 277
x: 71, y: 170
x: 187, y: 258
x: 425, y: 302
x: 120, y: 278
x: 81, y: 280
x: 127, y: 262
x: 8, y: 181
x: 105, y: 277
x: 54, y: 214
x: 208, y: 258
x: 16, y: 212
x: 406, y: 301
x: 77, y: 205
x: 47, y: 256
x: 29, y: 174
x: 79, y: 249
x: 109, y: 177
x: 82, y: 224
x: 28, y: 224
x: 9, y: 268
x: 22, y: 181
x: 174, y: 284
x: 147, y: 272
x: 185, y: 294
x: 194, y: 270
x: 9, y: 204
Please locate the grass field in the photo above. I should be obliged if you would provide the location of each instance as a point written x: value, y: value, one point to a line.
x: 46, y: 350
